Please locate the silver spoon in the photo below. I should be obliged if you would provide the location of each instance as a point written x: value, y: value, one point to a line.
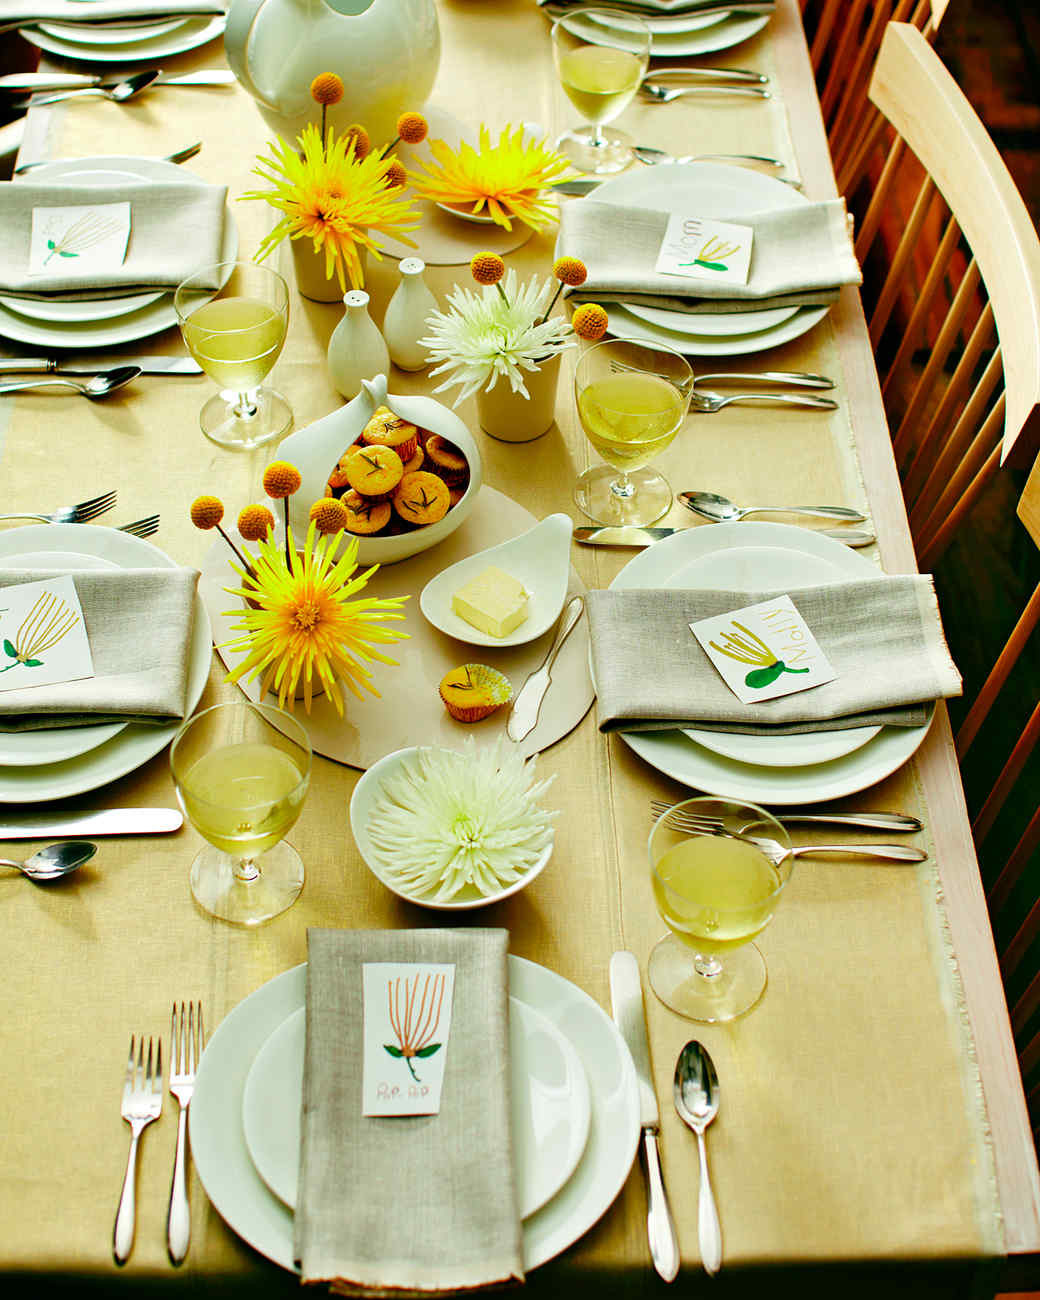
x: 121, y: 93
x: 55, y: 860
x: 181, y: 155
x: 98, y: 386
x: 776, y: 852
x: 696, y: 1092
x: 721, y: 510
x: 665, y: 94
x: 652, y: 157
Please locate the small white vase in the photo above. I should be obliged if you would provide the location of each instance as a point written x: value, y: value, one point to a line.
x: 356, y: 350
x: 405, y: 321
x: 511, y: 417
x: 309, y: 269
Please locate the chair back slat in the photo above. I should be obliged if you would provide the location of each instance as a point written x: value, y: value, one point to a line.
x: 1000, y: 891
x: 935, y: 280
x: 941, y: 526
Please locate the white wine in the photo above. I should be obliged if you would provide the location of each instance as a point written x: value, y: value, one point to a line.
x: 235, y: 340
x: 243, y: 798
x: 599, y: 80
x: 630, y: 416
x: 715, y: 892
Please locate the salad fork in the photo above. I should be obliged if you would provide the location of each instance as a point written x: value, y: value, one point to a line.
x: 142, y: 1103
x: 708, y: 403
x: 141, y: 527
x: 186, y: 1040
x: 78, y: 514
x: 878, y: 821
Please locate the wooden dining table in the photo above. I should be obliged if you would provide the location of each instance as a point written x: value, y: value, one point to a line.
x: 873, y: 1130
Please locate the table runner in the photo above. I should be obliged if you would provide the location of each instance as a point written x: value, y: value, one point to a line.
x: 817, y: 1155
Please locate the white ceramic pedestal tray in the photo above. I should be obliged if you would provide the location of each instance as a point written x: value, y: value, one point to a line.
x: 410, y: 711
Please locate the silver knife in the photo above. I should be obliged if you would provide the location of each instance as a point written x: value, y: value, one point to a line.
x: 96, y: 365
x: 575, y: 187
x: 107, y: 821
x: 626, y: 1001
x: 30, y: 82
x: 632, y: 536
x: 523, y: 717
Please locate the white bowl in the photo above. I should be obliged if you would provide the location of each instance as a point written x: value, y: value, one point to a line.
x: 365, y: 793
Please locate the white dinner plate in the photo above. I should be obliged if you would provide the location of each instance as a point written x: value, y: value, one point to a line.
x: 138, y: 742
x: 186, y: 36
x: 753, y: 556
x: 720, y: 35
x: 708, y: 324
x: 63, y: 325
x: 622, y: 324
x: 250, y: 1209
x: 111, y: 33
x: 549, y: 1094
x: 661, y: 23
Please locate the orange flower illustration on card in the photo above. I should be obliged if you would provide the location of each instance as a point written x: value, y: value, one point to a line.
x: 415, y: 1017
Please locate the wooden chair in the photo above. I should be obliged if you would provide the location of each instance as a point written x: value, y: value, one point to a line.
x: 956, y: 334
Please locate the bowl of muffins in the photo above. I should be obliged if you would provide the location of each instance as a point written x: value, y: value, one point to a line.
x: 406, y: 468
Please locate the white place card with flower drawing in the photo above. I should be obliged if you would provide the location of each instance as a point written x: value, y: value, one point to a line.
x: 697, y: 248
x: 407, y: 1018
x: 43, y: 639
x: 79, y: 241
x: 764, y: 651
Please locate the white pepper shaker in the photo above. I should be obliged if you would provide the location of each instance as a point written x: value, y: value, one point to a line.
x: 405, y: 321
x: 356, y: 350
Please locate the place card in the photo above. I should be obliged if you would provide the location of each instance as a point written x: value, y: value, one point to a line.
x: 764, y: 651
x: 43, y: 639
x: 79, y: 241
x: 407, y: 1018
x: 698, y: 248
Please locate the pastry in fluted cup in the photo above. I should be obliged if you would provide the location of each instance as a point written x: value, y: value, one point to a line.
x: 473, y: 692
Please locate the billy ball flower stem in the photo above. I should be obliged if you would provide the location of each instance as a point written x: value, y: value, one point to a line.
x: 281, y: 480
x: 411, y: 128
x: 326, y: 89
x: 567, y: 270
x: 206, y: 513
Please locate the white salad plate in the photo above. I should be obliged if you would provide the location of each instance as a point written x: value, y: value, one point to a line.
x: 253, y: 1211
x: 111, y: 33
x: 755, y: 557
x: 135, y: 743
x: 720, y: 35
x: 622, y: 324
x: 549, y: 1096
x: 662, y: 23
x: 701, y: 324
x: 146, y: 47
x: 539, y: 559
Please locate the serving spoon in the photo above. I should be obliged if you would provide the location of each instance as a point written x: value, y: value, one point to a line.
x: 96, y: 387
x: 55, y: 861
x: 696, y: 1094
x: 720, y: 510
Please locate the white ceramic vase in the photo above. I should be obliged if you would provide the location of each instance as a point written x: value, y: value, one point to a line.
x: 356, y: 349
x: 405, y: 321
x: 511, y: 417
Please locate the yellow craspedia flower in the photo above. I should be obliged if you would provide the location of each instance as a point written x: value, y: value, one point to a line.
x: 255, y: 522
x: 590, y: 322
x: 570, y: 270
x: 362, y: 141
x: 487, y: 268
x: 412, y: 128
x: 329, y: 515
x: 207, y: 512
x: 326, y: 89
x: 396, y: 175
x: 281, y: 479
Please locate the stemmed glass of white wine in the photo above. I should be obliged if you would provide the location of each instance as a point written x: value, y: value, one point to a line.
x: 241, y: 772
x: 715, y: 890
x: 632, y: 400
x: 236, y: 333
x: 601, y: 57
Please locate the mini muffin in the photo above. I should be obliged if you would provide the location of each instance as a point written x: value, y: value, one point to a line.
x: 385, y: 429
x: 365, y: 516
x: 421, y: 498
x: 374, y: 471
x: 446, y: 459
x: 474, y: 691
x: 455, y: 494
x: 338, y: 483
x: 410, y: 466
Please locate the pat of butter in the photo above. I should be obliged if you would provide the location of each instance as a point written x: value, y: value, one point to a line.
x: 493, y: 602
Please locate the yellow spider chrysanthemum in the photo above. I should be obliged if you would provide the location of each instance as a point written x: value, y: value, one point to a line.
x: 590, y: 322
x: 207, y: 512
x: 487, y: 268
x: 326, y: 89
x: 255, y: 522
x: 335, y: 198
x: 505, y: 179
x: 306, y: 625
x: 412, y: 128
x: 281, y: 479
x: 329, y: 514
x: 570, y: 271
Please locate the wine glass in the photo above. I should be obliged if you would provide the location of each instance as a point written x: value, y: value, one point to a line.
x: 235, y: 333
x: 241, y: 772
x: 601, y: 57
x: 632, y: 400
x: 716, y: 890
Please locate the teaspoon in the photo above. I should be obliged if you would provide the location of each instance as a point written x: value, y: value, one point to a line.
x: 55, y: 861
x: 121, y: 93
x: 98, y: 386
x: 696, y: 1093
x: 657, y: 94
x: 721, y: 510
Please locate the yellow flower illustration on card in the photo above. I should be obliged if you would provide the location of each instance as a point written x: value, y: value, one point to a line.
x: 414, y: 1017
x: 46, y: 623
x: 746, y: 647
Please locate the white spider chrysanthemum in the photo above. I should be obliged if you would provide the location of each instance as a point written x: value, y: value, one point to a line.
x: 445, y: 820
x: 483, y: 338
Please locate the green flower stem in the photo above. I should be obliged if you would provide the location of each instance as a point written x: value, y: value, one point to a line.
x: 242, y: 559
x: 559, y: 290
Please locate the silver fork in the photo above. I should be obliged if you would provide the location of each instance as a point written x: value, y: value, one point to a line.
x: 877, y: 821
x: 142, y: 1102
x: 708, y: 403
x: 186, y: 1040
x: 141, y: 527
x: 776, y: 853
x: 73, y: 514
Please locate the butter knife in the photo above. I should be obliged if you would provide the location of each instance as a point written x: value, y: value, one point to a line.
x: 96, y: 365
x: 632, y: 536
x: 31, y: 82
x: 106, y: 821
x: 626, y: 1001
x: 523, y: 717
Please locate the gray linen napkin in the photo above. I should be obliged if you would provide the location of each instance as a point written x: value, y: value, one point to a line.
x: 175, y: 228
x: 882, y: 636
x: 399, y: 1206
x: 800, y: 256
x: 139, y: 624
x: 76, y: 11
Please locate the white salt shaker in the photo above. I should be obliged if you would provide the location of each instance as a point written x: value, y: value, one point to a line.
x: 356, y: 350
x: 405, y: 321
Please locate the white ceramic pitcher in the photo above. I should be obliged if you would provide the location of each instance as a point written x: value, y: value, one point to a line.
x: 386, y: 51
